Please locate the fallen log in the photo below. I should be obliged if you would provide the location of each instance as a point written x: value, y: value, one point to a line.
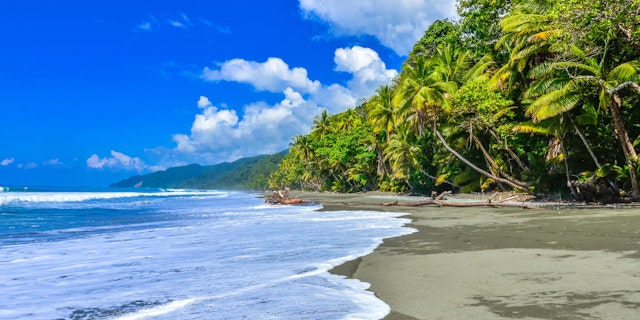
x: 292, y: 201
x: 445, y: 203
x: 282, y: 197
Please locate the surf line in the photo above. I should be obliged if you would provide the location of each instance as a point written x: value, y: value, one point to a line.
x: 179, y: 304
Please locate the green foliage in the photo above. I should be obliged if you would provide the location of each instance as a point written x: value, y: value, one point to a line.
x: 478, y: 25
x: 440, y: 33
x: 244, y: 174
x: 525, y: 95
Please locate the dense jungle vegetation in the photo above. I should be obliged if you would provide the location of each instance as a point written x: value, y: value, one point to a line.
x: 532, y: 96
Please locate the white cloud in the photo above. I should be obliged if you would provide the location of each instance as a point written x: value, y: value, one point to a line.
x: 204, y: 102
x: 7, y: 161
x: 272, y: 75
x: 219, y: 134
x: 28, y: 165
x: 144, y: 26
x: 176, y: 24
x: 183, y: 22
x: 147, y: 25
x: 223, y: 29
x: 397, y: 24
x: 367, y: 68
x: 117, y: 160
x: 53, y: 162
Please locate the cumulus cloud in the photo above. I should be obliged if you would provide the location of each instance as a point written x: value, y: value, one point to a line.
x: 117, y: 160
x: 397, y: 24
x: 220, y: 134
x: 272, y: 75
x: 366, y: 66
x: 7, y: 161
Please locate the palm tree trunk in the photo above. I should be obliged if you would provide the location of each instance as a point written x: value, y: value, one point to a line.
x: 586, y: 144
x: 618, y: 126
x: 474, y: 167
x: 566, y: 169
x: 513, y: 155
x: 593, y: 155
x: 495, y: 169
x: 627, y: 148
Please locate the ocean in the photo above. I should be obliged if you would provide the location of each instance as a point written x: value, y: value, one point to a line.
x: 181, y: 254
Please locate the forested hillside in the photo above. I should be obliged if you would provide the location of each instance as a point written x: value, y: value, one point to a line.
x: 533, y: 96
x: 244, y: 174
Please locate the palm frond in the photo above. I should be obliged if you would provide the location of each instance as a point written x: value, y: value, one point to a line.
x: 627, y: 71
x: 545, y: 86
x: 543, y: 35
x: 528, y: 127
x: 552, y: 104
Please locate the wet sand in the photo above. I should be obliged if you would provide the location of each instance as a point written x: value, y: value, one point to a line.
x: 501, y: 263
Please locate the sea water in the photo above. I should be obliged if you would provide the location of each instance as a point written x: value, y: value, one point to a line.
x: 180, y: 254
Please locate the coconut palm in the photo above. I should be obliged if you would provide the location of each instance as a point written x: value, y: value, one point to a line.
x: 527, y: 34
x: 567, y: 84
x: 556, y: 129
x: 382, y: 114
x: 402, y: 153
x: 423, y: 92
x: 322, y: 125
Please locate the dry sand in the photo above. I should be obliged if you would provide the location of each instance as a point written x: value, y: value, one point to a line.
x: 502, y: 263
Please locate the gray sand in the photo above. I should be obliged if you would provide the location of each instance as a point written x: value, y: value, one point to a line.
x: 502, y: 263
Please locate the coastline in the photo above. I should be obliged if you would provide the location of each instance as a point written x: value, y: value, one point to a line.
x: 500, y: 263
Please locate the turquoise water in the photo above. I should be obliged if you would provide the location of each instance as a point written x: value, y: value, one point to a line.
x: 180, y: 254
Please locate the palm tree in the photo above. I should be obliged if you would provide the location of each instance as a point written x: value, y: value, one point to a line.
x: 566, y: 84
x: 321, y: 125
x: 496, y: 178
x: 382, y: 114
x: 303, y: 148
x: 423, y: 92
x: 556, y: 129
x: 348, y: 119
x: 402, y: 153
x: 527, y: 34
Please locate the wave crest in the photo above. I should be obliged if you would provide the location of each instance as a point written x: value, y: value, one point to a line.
x: 8, y: 197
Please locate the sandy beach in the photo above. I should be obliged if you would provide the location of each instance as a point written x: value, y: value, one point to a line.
x: 501, y: 263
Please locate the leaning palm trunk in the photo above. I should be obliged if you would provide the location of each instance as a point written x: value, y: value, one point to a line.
x: 513, y: 155
x: 494, y: 166
x: 593, y: 155
x: 566, y: 169
x: 630, y: 154
x: 474, y: 167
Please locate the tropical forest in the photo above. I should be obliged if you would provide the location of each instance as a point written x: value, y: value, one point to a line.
x: 537, y: 97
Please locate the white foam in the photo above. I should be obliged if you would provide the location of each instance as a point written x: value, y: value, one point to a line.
x: 59, y: 197
x: 252, y: 261
x: 159, y: 310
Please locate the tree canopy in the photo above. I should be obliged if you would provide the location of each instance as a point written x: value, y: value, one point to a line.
x: 535, y: 96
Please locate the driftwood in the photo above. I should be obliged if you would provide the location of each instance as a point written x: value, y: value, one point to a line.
x: 441, y: 202
x: 282, y: 197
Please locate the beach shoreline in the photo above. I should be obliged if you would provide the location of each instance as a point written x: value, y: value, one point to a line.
x: 558, y: 262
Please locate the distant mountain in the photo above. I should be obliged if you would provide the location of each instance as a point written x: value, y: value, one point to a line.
x: 244, y: 174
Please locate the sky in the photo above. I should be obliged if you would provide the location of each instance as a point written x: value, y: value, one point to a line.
x: 92, y: 92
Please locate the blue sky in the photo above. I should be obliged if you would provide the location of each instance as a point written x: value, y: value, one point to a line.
x: 95, y: 91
